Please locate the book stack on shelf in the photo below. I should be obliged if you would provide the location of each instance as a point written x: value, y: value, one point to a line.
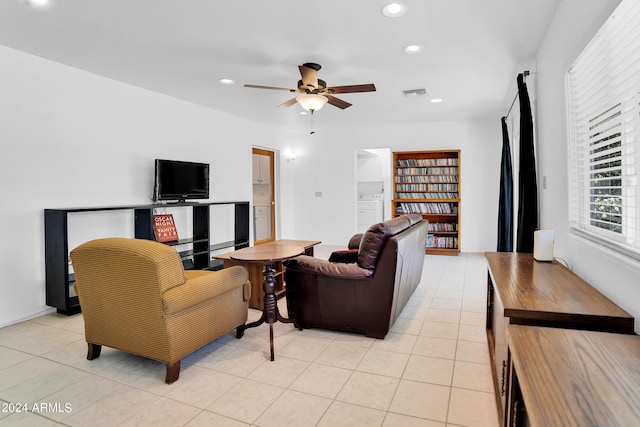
x: 428, y: 183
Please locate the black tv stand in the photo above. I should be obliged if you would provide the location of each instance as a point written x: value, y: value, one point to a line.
x: 59, y: 278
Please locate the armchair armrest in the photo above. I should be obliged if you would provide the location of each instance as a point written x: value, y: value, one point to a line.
x: 307, y: 264
x: 202, y: 286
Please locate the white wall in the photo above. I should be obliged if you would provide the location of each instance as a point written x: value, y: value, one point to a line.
x: 325, y: 163
x: 73, y: 139
x: 616, y: 276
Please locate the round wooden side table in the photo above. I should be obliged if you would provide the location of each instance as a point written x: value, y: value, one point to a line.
x: 267, y: 255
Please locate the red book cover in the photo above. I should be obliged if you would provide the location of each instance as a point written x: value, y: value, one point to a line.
x: 164, y: 228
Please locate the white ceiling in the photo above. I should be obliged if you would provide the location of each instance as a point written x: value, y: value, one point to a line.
x: 181, y: 48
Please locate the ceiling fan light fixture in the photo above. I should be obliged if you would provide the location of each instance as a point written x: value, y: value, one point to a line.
x: 312, y: 102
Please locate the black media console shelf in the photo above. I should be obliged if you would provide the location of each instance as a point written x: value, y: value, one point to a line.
x: 59, y: 279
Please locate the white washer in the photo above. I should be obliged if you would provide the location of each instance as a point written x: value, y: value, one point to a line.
x: 370, y: 207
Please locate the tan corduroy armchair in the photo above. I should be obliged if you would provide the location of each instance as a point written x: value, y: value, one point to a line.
x: 135, y: 296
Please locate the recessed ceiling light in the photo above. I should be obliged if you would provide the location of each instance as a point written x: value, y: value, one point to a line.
x: 413, y: 48
x: 393, y: 10
x: 39, y: 4
x: 226, y: 81
x: 436, y: 100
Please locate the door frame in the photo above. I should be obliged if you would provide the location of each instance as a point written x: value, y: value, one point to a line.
x: 271, y: 155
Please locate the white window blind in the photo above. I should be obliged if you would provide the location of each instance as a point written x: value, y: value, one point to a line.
x: 604, y: 124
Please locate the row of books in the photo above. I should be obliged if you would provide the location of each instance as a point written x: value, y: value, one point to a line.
x: 427, y: 208
x: 442, y: 226
x: 428, y: 171
x: 426, y: 178
x: 426, y: 195
x: 426, y: 187
x: 442, y: 242
x: 427, y: 162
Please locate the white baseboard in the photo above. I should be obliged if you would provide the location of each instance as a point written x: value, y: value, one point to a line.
x: 24, y: 318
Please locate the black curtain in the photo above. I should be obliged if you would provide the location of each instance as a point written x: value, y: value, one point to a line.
x: 505, y: 207
x: 527, y: 185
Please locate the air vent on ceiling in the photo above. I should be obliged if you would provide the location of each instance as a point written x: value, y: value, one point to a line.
x: 412, y: 93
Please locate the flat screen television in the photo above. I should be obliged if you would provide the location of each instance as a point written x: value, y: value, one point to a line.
x: 179, y: 181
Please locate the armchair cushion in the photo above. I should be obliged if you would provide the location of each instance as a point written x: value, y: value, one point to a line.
x: 202, y: 286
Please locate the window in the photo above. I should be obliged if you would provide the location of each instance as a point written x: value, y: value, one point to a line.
x: 603, y: 86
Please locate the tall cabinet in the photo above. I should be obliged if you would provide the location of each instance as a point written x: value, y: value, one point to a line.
x: 428, y: 183
x: 59, y: 277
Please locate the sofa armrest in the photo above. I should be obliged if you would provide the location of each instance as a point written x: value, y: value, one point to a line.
x: 202, y: 286
x: 347, y: 256
x: 354, y: 242
x: 311, y: 265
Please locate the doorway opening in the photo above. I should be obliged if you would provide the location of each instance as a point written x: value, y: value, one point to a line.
x: 264, y: 205
x: 373, y: 183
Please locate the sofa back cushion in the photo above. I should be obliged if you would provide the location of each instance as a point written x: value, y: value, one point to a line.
x: 375, y: 237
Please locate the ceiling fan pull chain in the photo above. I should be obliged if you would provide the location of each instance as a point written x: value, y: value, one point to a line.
x: 312, y: 123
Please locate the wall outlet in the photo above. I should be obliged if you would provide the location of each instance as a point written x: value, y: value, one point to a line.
x: 318, y: 193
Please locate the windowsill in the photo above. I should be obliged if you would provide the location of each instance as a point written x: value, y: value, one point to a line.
x: 617, y: 249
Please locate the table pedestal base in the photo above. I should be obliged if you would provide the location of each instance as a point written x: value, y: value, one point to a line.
x: 270, y: 312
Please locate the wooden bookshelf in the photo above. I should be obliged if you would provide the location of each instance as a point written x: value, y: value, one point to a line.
x: 428, y: 183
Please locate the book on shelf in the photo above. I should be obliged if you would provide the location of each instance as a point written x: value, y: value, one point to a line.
x: 164, y: 228
x: 428, y: 171
x: 428, y: 208
x: 448, y: 161
x: 434, y: 187
x: 442, y: 226
x: 438, y: 195
x: 427, y: 178
x: 441, y: 242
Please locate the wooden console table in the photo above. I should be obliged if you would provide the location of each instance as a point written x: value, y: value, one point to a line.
x: 255, y: 270
x: 521, y: 290
x: 565, y: 378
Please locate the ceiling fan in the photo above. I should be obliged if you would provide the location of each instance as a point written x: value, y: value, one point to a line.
x: 314, y: 92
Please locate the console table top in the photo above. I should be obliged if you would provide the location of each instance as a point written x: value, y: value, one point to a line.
x: 577, y: 378
x: 526, y: 286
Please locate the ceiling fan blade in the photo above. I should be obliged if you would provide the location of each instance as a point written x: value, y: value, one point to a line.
x: 270, y: 87
x: 352, y: 88
x: 336, y: 102
x: 289, y: 103
x: 309, y: 76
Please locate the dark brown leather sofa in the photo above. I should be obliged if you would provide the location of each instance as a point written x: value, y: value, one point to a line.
x: 365, y: 296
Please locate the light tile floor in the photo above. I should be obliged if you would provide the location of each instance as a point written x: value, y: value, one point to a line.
x: 431, y: 370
